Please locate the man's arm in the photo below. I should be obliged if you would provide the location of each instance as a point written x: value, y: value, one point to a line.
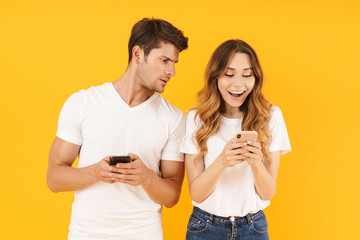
x: 164, y: 189
x: 61, y: 176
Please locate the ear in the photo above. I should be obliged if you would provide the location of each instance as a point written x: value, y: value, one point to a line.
x: 137, y: 53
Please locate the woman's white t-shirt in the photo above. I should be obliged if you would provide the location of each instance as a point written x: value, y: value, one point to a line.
x: 234, y: 193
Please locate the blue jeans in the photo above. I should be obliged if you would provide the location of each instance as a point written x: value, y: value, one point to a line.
x: 205, y: 226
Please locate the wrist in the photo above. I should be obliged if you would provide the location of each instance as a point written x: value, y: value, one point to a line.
x: 257, y: 164
x: 149, y: 179
x: 220, y: 163
x: 90, y: 173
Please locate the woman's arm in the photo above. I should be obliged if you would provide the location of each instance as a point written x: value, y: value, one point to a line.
x: 202, y: 181
x: 265, y: 173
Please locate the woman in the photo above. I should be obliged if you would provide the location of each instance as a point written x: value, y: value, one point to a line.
x: 232, y: 181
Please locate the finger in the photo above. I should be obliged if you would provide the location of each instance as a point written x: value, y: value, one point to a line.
x: 238, y: 151
x: 129, y: 165
x: 126, y: 177
x: 253, y: 144
x: 236, y: 145
x: 234, y: 162
x: 104, y: 166
x: 252, y: 149
x: 106, y: 159
x: 133, y: 156
x: 133, y: 171
x: 236, y: 157
x: 252, y: 156
x: 108, y: 180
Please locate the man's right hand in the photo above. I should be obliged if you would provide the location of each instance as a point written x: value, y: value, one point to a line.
x: 104, y: 172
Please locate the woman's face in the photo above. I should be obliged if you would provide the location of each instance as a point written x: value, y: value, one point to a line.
x: 237, y: 83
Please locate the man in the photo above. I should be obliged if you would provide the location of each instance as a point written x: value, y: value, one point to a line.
x: 126, y: 117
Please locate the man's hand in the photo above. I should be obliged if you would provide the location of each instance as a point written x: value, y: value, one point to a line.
x: 134, y: 173
x: 104, y: 172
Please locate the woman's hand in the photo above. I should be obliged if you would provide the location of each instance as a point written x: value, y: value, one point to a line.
x: 232, y: 154
x: 252, y: 152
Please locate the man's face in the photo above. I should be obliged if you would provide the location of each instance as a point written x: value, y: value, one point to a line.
x: 156, y: 69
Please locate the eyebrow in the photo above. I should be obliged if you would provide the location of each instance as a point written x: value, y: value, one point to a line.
x: 169, y: 59
x: 230, y: 68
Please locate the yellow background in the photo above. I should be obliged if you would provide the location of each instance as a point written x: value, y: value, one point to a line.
x: 309, y: 51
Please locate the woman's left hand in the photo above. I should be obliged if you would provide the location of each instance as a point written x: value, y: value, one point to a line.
x: 253, y: 154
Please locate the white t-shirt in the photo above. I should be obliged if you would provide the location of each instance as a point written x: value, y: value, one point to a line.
x: 101, y: 122
x: 234, y: 193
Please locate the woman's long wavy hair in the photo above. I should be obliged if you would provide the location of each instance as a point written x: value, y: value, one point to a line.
x: 256, y: 108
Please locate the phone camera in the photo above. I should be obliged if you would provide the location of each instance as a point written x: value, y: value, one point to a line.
x: 238, y: 136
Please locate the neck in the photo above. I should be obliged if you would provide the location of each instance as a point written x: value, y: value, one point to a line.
x: 233, y: 112
x: 130, y: 90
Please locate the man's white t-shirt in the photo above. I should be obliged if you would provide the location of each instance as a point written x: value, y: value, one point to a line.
x: 103, y: 124
x: 234, y: 193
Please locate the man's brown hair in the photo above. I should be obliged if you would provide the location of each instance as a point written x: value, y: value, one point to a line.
x: 149, y: 33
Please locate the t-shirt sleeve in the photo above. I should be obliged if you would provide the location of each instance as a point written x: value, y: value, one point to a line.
x: 171, y: 150
x: 188, y: 144
x: 280, y: 139
x: 69, y: 124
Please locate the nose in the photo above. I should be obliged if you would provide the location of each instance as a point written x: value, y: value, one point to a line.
x: 170, y: 70
x: 239, y: 81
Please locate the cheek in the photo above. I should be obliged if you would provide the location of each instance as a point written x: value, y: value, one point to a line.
x: 222, y: 85
x: 251, y: 84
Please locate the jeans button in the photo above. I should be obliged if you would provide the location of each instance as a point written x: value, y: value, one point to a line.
x: 232, y: 218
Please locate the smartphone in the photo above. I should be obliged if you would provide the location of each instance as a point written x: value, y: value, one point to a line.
x: 246, y: 136
x: 119, y: 159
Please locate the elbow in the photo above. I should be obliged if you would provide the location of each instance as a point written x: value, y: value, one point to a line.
x: 196, y: 195
x: 52, y: 188
x: 268, y: 196
x: 196, y: 198
x: 51, y: 185
x: 172, y: 202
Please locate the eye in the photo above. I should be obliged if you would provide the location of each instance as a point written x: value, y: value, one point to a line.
x: 247, y: 75
x: 164, y: 60
x: 228, y: 75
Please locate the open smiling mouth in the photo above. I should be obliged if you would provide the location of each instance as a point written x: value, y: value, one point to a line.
x: 236, y: 94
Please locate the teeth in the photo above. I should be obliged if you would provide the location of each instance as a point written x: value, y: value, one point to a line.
x: 233, y: 92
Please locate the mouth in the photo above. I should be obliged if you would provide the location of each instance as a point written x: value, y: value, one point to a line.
x: 236, y: 94
x: 164, y: 80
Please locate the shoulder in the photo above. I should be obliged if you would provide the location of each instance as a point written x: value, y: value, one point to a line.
x: 102, y: 90
x: 276, y: 117
x: 193, y: 120
x: 191, y: 112
x: 168, y: 108
x: 94, y: 92
x: 275, y: 112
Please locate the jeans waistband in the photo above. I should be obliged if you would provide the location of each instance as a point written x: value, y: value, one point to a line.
x: 211, y: 217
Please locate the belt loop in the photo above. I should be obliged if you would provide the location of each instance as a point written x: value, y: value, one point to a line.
x: 249, y: 219
x: 210, y: 219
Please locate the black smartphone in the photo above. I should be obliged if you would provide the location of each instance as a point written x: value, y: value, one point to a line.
x: 119, y: 159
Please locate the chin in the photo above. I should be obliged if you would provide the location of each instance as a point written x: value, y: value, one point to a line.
x: 161, y: 90
x: 235, y: 105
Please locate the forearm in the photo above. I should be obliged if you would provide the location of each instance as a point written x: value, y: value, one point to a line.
x: 265, y: 184
x: 204, y: 184
x: 61, y: 178
x: 163, y: 191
